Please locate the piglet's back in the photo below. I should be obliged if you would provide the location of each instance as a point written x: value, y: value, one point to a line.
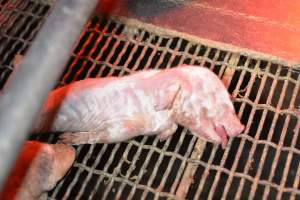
x: 68, y: 103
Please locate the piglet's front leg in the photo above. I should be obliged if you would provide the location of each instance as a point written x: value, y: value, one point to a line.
x: 164, y: 135
x: 117, y: 131
x: 84, y: 137
x: 123, y: 129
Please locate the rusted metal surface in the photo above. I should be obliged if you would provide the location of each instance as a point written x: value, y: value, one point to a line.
x: 263, y: 162
x: 262, y: 26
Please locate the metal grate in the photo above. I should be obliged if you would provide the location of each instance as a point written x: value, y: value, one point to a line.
x: 263, y: 162
x: 19, y: 23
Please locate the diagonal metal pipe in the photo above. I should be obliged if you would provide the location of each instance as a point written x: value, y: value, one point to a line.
x: 37, y: 74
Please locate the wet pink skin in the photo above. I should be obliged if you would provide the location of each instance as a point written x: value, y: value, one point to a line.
x: 153, y: 102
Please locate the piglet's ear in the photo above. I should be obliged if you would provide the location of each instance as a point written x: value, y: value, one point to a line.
x: 167, y: 95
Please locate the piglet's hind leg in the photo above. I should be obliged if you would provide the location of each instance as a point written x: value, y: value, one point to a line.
x: 83, y: 137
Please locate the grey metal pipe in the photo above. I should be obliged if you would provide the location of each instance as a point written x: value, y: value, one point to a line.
x: 37, y: 74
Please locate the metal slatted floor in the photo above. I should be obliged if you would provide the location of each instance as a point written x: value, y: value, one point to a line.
x: 263, y: 162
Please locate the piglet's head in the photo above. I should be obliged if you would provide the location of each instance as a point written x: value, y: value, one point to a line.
x: 215, y: 126
x: 220, y: 111
x: 200, y: 102
x: 205, y: 107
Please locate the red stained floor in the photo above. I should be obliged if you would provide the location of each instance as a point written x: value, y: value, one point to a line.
x: 267, y: 26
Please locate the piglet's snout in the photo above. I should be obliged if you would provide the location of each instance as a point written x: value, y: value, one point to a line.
x: 234, y: 127
x: 231, y: 130
x: 238, y: 129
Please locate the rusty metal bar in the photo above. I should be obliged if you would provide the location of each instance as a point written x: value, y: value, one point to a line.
x: 296, y: 181
x: 243, y: 141
x: 78, y: 56
x: 253, y: 111
x: 259, y: 171
x: 25, y: 95
x: 187, y: 177
x: 281, y: 136
x: 286, y: 169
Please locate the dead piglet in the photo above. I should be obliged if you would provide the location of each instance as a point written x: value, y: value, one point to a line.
x: 108, y: 110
